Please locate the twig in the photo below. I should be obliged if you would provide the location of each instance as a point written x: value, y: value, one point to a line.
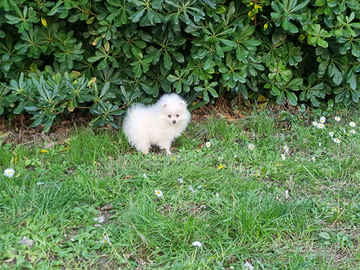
x: 234, y: 200
x: 142, y: 237
x: 339, y: 215
x: 179, y: 191
x: 117, y: 254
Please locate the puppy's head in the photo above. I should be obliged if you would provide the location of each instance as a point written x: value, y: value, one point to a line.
x: 174, y: 112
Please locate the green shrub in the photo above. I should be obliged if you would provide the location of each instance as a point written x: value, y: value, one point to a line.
x: 103, y: 55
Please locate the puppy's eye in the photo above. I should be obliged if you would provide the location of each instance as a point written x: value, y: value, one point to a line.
x: 169, y: 116
x: 177, y: 115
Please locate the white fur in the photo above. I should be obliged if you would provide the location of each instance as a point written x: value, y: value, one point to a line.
x: 158, y: 124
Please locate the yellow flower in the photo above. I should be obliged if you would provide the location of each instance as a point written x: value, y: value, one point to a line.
x: 44, y: 151
x: 44, y: 22
x: 302, y: 37
x: 257, y: 7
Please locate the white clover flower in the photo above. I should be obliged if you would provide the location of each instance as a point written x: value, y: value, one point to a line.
x: 287, y: 194
x: 191, y: 189
x: 352, y: 124
x: 220, y: 159
x: 321, y: 126
x: 9, y: 172
x: 251, y: 146
x: 336, y: 140
x: 315, y: 123
x: 322, y: 119
x: 217, y: 194
x: 158, y: 193
x: 319, y: 143
x: 352, y: 131
x: 283, y: 156
x: 144, y: 175
x: 99, y: 219
x: 105, y: 240
x: 196, y: 244
x: 337, y: 118
x: 180, y: 180
x: 208, y: 144
x: 331, y: 134
x: 248, y: 266
x: 313, y: 159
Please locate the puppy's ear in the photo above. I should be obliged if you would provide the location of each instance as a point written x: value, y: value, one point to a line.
x: 164, y: 105
x: 182, y: 103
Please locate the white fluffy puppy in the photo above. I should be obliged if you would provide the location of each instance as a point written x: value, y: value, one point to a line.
x: 158, y: 124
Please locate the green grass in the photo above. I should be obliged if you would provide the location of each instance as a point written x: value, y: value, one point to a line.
x: 247, y: 205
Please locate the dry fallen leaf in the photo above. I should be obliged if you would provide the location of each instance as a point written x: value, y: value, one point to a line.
x: 26, y: 241
x: 50, y: 145
x: 107, y: 207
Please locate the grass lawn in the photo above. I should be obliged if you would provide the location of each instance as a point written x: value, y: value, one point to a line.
x: 270, y: 191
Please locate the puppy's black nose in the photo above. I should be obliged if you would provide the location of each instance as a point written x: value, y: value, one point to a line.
x: 174, y: 121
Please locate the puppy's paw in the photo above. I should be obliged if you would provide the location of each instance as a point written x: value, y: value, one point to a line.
x: 143, y: 148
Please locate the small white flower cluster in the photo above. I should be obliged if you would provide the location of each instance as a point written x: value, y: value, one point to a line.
x: 286, y: 151
x: 248, y: 266
x: 158, y: 193
x: 197, y: 244
x: 105, y: 240
x: 100, y: 219
x: 9, y: 172
x: 251, y: 146
x: 352, y: 131
x: 321, y: 125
